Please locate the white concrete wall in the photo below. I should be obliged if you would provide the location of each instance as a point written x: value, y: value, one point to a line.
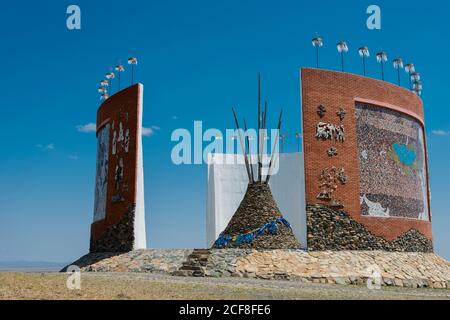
x: 227, y: 184
x: 140, y: 237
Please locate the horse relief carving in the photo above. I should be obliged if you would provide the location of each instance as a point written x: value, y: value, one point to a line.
x: 328, y: 131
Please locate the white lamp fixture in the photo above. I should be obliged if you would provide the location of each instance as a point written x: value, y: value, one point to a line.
x: 410, y: 69
x: 317, y: 42
x: 133, y: 62
x: 382, y: 58
x: 110, y: 76
x: 364, y: 53
x: 342, y: 48
x: 119, y: 69
x: 398, y: 64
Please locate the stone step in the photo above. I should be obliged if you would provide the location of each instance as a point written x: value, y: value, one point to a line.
x: 183, y: 273
x: 194, y: 258
x: 190, y: 268
x: 203, y: 261
x: 199, y: 255
x: 202, y: 250
x: 195, y: 264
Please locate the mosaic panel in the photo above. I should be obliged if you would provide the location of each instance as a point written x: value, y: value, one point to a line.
x: 392, y: 164
x: 101, y: 180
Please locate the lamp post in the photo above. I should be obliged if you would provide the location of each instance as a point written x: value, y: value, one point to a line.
x: 119, y: 68
x: 342, y: 48
x: 382, y: 58
x: 398, y: 64
x: 410, y: 69
x: 133, y: 62
x: 104, y: 83
x: 364, y: 53
x: 102, y: 90
x: 415, y: 77
x: 416, y: 82
x: 110, y: 76
x: 417, y: 87
x: 317, y: 42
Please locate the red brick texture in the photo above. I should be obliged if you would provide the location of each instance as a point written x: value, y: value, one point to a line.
x: 121, y: 107
x: 336, y: 90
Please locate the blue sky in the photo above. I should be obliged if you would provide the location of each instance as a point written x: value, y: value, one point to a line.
x: 197, y: 59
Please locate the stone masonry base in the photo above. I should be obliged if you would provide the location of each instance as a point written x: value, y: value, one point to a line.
x: 401, y: 269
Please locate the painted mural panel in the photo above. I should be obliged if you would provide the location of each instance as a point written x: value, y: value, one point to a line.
x: 392, y: 164
x: 101, y: 180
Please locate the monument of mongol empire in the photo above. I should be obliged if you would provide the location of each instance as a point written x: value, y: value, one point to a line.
x: 119, y: 210
x: 365, y: 154
x: 356, y: 198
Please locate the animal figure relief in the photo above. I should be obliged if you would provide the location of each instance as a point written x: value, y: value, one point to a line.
x: 126, y: 144
x: 118, y: 177
x: 121, y: 137
x: 341, y: 114
x: 329, y: 180
x: 114, y: 142
x: 321, y: 110
x: 375, y: 209
x: 332, y: 152
x: 327, y: 131
x: 342, y: 177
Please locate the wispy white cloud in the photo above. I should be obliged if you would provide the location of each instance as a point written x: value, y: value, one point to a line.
x: 175, y: 118
x: 92, y: 127
x: 73, y: 157
x: 87, y: 128
x: 149, y: 131
x: 440, y: 133
x: 50, y: 146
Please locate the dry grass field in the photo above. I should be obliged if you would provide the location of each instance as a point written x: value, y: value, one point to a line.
x: 149, y: 286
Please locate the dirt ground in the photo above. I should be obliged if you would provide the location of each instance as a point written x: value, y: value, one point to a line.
x: 149, y: 286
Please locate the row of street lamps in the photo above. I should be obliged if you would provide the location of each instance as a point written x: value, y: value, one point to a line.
x: 105, y: 88
x: 415, y: 81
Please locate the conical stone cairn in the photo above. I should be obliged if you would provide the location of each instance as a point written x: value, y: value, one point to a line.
x: 258, y: 223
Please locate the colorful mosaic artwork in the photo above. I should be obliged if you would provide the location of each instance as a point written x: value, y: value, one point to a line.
x: 392, y: 163
x: 102, y: 173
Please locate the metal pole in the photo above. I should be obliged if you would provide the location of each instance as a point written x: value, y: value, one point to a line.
x: 249, y: 152
x: 382, y: 70
x: 399, y: 78
x: 269, y: 174
x: 244, y: 152
x: 342, y: 60
x: 410, y: 80
x: 317, y: 56
x: 364, y: 65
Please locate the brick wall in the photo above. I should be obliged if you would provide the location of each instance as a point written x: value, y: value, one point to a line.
x: 121, y: 107
x: 335, y: 90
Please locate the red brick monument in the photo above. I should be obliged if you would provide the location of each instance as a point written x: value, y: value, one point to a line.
x: 119, y: 211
